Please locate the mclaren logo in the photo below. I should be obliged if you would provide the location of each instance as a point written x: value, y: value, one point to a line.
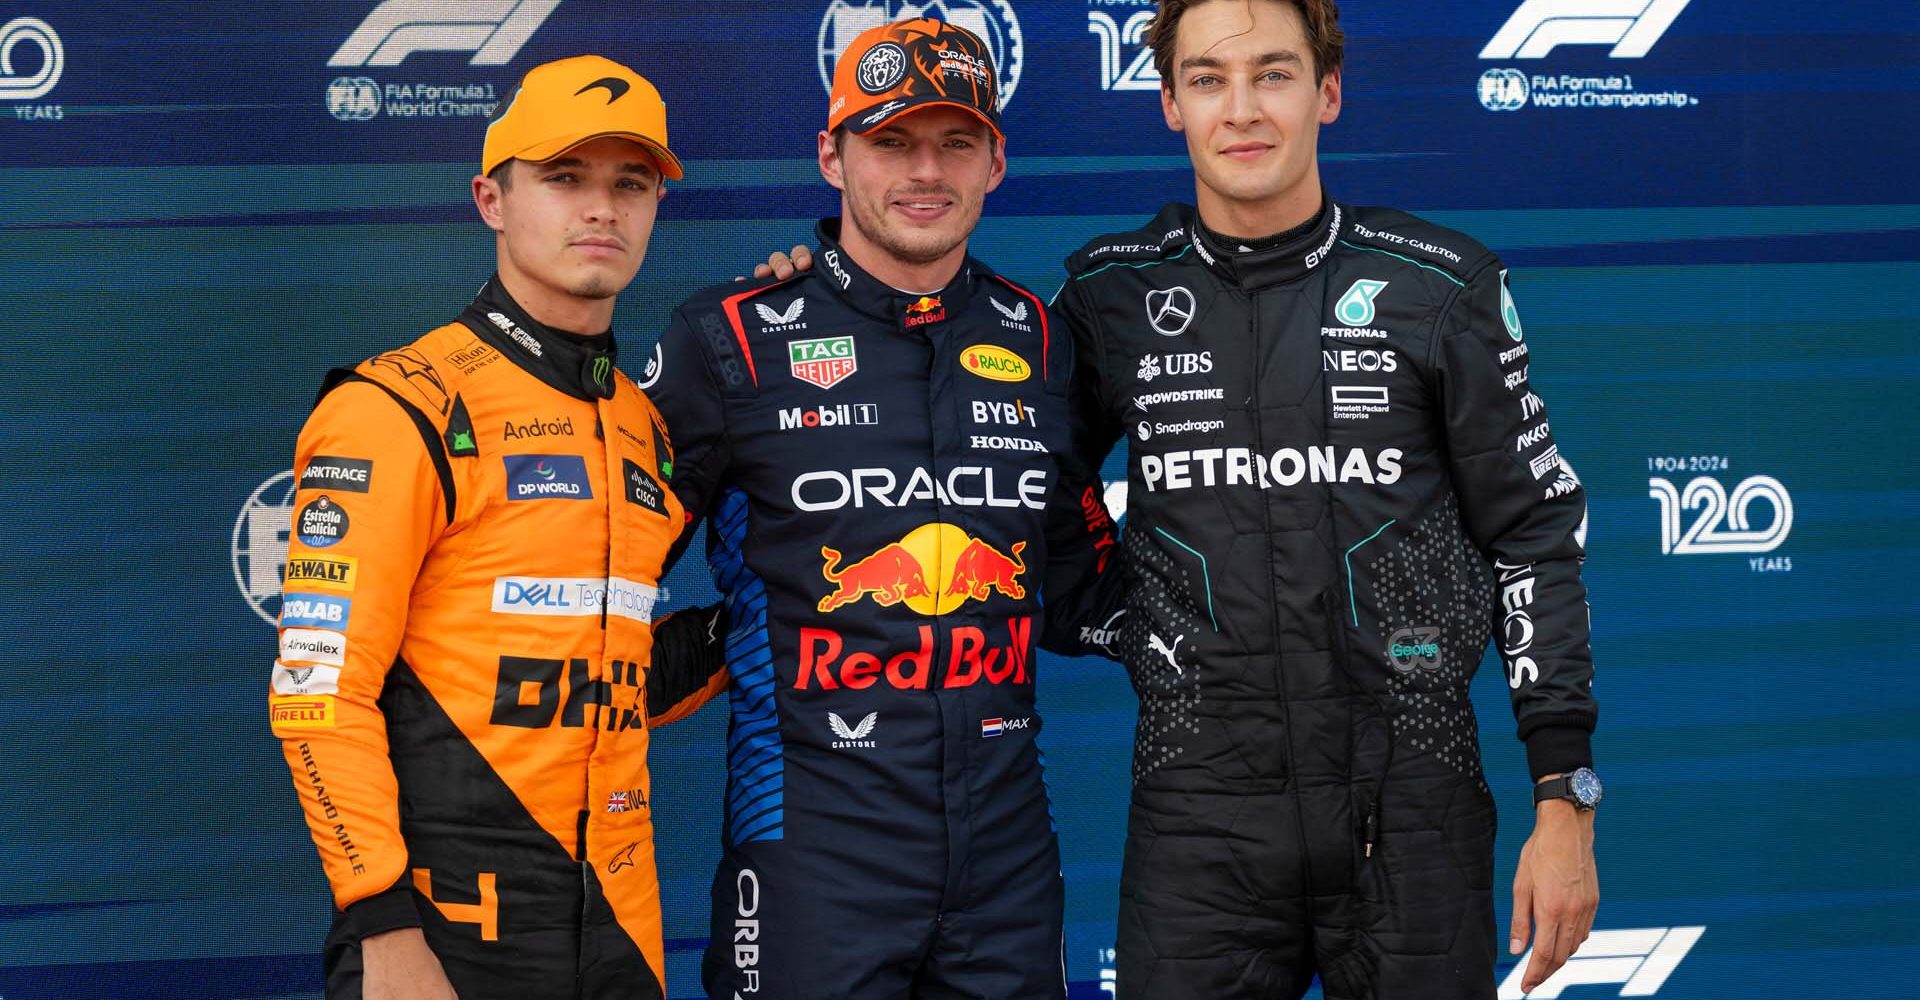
x: 615, y: 87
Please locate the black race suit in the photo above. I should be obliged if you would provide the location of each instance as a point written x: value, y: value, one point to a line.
x: 1340, y: 486
x: 879, y: 471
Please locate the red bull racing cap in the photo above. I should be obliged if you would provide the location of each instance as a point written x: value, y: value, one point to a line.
x: 894, y: 69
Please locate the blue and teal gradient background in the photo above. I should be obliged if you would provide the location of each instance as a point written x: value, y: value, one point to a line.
x: 195, y: 239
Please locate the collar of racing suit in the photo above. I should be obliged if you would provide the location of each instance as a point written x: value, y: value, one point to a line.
x: 579, y: 365
x: 1271, y: 265
x: 872, y: 297
x: 1259, y: 243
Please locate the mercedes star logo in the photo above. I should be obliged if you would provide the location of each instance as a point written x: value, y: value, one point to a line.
x: 1170, y: 310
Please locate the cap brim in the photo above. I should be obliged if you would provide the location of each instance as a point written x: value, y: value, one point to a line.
x: 857, y: 123
x: 668, y: 163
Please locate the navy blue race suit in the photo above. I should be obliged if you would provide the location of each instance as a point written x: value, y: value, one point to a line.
x: 1340, y: 486
x: 886, y: 477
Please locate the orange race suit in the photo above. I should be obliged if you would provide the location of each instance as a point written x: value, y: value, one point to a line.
x: 469, y: 662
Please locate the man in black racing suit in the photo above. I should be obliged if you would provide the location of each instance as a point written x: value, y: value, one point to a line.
x: 1340, y: 484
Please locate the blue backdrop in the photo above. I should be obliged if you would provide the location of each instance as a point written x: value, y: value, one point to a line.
x: 1713, y: 212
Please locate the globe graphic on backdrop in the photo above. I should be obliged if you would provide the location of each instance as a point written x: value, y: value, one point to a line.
x: 992, y: 20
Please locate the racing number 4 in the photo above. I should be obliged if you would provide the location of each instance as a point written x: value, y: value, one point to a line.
x: 486, y: 913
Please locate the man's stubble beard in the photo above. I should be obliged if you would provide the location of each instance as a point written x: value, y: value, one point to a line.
x: 594, y: 286
x: 877, y: 233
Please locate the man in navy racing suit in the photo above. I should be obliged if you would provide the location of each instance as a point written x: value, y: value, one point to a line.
x: 881, y: 450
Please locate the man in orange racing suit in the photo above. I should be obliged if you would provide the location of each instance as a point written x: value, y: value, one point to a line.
x: 469, y: 662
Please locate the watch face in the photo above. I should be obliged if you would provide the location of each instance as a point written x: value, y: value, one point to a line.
x: 1586, y: 786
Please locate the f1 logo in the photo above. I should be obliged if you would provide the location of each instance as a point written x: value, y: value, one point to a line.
x: 493, y: 30
x: 1539, y: 26
x: 1640, y: 959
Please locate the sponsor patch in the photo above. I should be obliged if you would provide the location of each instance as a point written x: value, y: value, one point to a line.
x: 783, y: 320
x: 1359, y: 402
x: 305, y: 678
x: 302, y: 711
x: 326, y: 472
x: 854, y: 736
x: 822, y: 361
x: 1000, y: 442
x: 315, y: 611
x: 1545, y: 462
x: 547, y: 477
x: 923, y: 310
x: 662, y: 450
x: 1170, y: 310
x: 338, y: 573
x: 460, y: 439
x: 829, y: 415
x: 573, y: 597
x: 1356, y: 307
x: 534, y: 427
x: 642, y: 488
x: 312, y: 645
x: 996, y: 363
x: 321, y: 523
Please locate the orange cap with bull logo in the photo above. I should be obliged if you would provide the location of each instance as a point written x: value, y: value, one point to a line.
x: 894, y: 69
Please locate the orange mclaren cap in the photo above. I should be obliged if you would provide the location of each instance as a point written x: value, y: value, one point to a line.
x: 893, y: 69
x: 561, y: 104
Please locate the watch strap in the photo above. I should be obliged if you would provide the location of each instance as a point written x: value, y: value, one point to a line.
x: 1555, y: 788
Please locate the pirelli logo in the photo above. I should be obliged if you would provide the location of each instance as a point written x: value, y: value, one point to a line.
x: 314, y: 712
x: 333, y: 573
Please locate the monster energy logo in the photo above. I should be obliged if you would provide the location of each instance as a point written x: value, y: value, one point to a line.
x: 601, y: 366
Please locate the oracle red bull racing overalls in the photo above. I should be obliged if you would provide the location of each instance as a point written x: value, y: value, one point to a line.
x: 886, y: 478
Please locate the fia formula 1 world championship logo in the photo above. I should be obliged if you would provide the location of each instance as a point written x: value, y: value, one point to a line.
x: 992, y: 20
x: 1540, y: 26
x: 491, y: 30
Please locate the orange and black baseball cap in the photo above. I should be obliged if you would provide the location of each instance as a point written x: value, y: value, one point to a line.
x: 893, y: 69
x: 561, y: 104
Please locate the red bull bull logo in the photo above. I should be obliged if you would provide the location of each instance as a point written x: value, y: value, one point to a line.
x: 981, y: 570
x: 933, y: 569
x: 923, y: 310
x: 889, y: 576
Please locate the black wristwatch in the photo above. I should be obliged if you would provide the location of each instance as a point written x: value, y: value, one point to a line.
x: 1582, y: 788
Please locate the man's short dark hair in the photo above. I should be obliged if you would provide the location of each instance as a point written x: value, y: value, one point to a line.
x: 503, y: 174
x: 1321, y: 18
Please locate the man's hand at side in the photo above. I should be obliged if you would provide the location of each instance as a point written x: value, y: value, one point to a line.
x: 785, y: 265
x: 1556, y: 888
x: 398, y: 965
